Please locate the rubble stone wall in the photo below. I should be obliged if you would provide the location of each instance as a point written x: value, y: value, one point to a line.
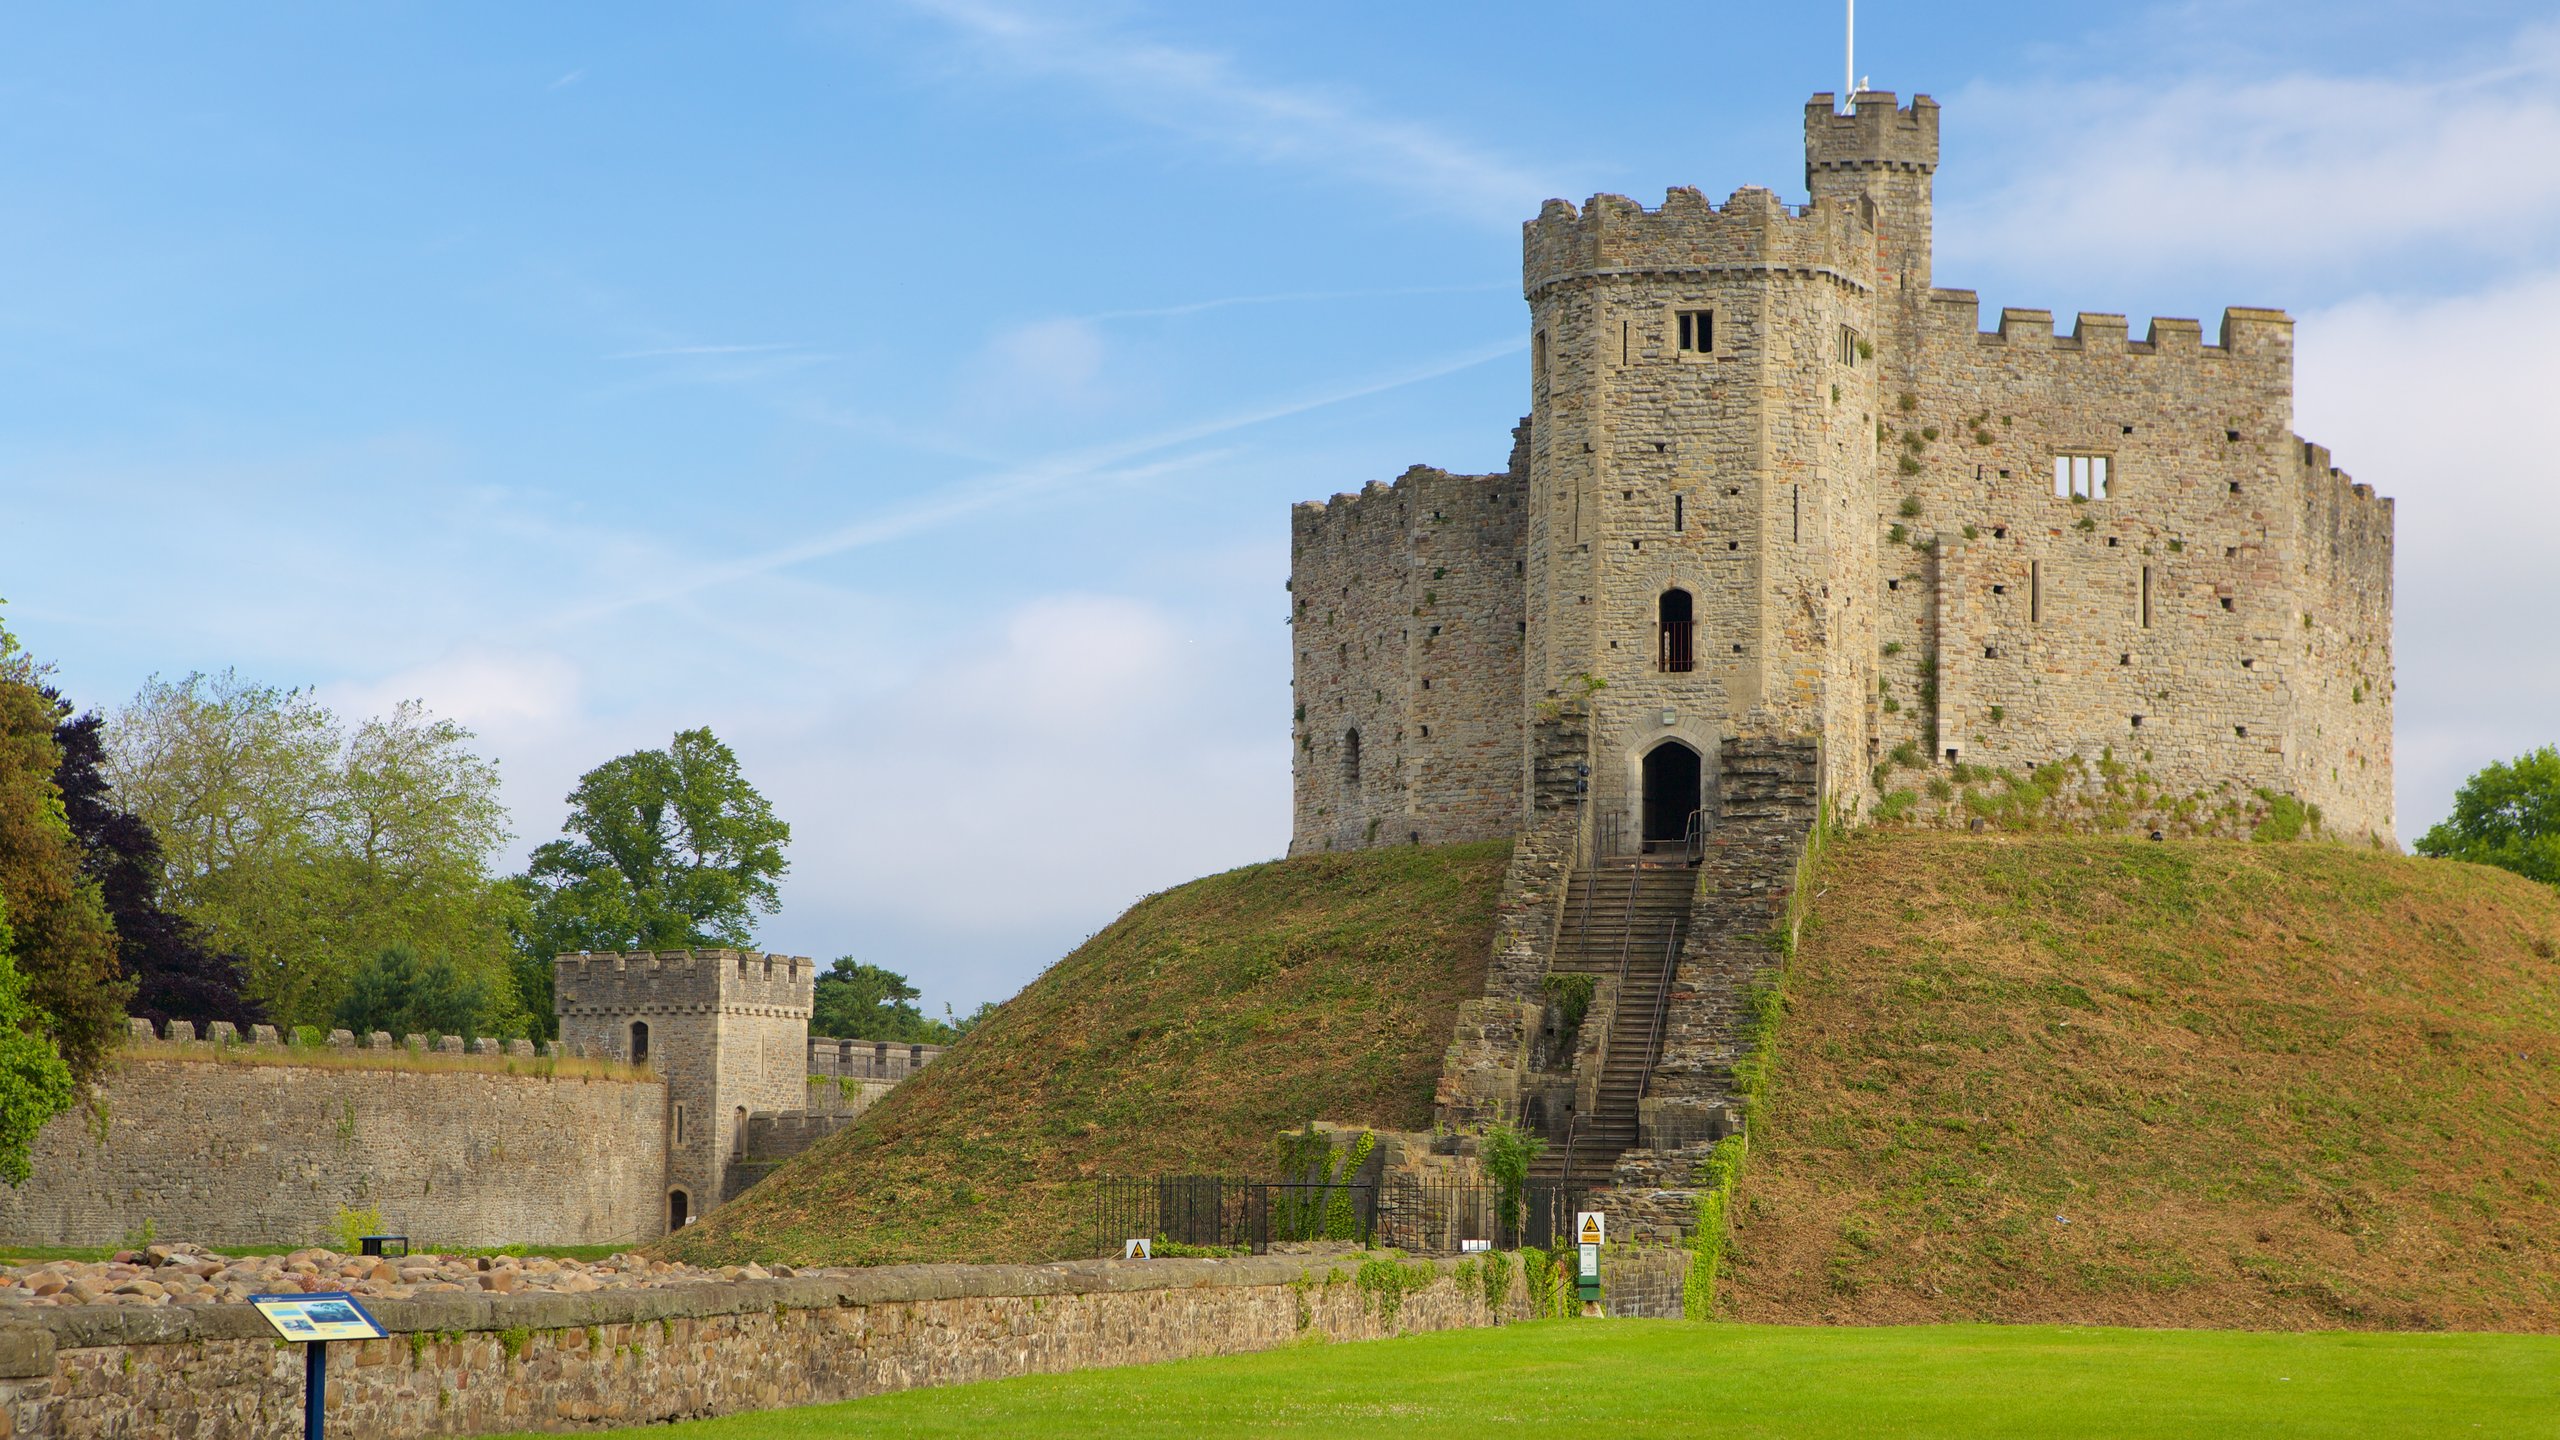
x: 483, y: 1364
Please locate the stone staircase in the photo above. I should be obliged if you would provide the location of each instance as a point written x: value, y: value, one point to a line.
x: 1625, y: 923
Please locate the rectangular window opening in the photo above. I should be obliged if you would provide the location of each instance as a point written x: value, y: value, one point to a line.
x: 2035, y: 590
x: 1626, y: 341
x: 2079, y: 477
x: 1849, y: 343
x: 1698, y: 331
x: 2146, y: 597
x: 1679, y: 512
x: 1796, y: 501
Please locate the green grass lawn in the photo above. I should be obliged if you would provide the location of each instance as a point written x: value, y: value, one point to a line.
x: 1634, y: 1377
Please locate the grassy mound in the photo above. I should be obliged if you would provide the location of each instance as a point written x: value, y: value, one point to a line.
x: 1181, y: 1039
x: 2196, y: 1084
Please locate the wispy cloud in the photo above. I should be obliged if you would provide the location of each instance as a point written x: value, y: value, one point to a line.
x: 670, y: 350
x: 2282, y: 173
x: 565, y: 81
x: 1117, y: 461
x: 1293, y: 297
x: 1207, y: 98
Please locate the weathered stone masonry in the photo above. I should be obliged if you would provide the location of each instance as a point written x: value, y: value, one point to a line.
x: 1793, y: 536
x: 227, y: 1142
x: 1772, y: 412
x: 227, y: 1152
x: 470, y: 1365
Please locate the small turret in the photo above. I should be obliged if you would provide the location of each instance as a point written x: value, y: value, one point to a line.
x: 1884, y: 156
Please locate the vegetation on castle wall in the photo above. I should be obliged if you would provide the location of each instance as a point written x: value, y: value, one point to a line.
x: 2214, y: 1083
x: 1181, y: 1039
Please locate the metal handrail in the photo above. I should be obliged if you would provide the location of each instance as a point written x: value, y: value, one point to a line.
x: 1661, y: 1004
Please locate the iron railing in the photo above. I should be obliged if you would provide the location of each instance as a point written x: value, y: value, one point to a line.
x: 1227, y: 1213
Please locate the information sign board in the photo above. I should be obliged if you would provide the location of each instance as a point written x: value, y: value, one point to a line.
x: 331, y: 1315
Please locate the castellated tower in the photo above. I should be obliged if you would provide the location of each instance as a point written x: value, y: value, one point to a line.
x: 1701, y: 481
x: 729, y: 1030
x: 1776, y: 486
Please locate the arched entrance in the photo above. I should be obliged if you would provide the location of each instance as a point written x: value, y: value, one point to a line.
x: 679, y: 1209
x: 1672, y: 776
x: 639, y: 1042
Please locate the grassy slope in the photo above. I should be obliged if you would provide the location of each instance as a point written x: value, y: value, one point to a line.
x: 1668, y: 1377
x: 2265, y: 1085
x: 1181, y: 1039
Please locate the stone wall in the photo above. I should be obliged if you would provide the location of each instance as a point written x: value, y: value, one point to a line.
x: 2218, y: 619
x: 470, y: 1365
x: 222, y: 1147
x: 1407, y: 630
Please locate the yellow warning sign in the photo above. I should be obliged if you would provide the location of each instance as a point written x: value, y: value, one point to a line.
x: 1590, y: 1227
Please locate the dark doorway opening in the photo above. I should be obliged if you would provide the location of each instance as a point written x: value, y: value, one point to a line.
x: 639, y: 1042
x: 1674, y: 651
x: 679, y: 1209
x: 1671, y: 795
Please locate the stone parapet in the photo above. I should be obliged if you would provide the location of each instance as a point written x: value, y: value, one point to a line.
x: 481, y: 1364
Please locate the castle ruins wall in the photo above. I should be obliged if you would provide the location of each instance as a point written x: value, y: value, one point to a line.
x: 486, y: 1364
x: 218, y: 1149
x: 1406, y: 619
x: 2218, y: 618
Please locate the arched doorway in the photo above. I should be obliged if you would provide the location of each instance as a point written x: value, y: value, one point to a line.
x: 1672, y: 775
x: 1351, y: 759
x: 679, y: 1209
x: 639, y: 1042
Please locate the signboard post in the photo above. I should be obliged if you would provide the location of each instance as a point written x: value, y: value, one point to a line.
x: 313, y: 1321
x: 1590, y: 1232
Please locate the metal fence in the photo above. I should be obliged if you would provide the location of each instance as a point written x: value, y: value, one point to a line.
x: 1214, y: 1211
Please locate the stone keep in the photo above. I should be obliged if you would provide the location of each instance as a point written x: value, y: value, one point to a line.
x: 1775, y: 483
x: 727, y: 1029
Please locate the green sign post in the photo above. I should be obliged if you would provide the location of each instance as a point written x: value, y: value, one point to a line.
x: 1590, y: 1232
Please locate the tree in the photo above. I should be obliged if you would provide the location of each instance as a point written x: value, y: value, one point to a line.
x: 69, y: 991
x: 667, y: 849
x: 177, y: 975
x: 304, y: 846
x: 400, y: 994
x: 855, y: 1001
x: 35, y: 1084
x: 2508, y: 815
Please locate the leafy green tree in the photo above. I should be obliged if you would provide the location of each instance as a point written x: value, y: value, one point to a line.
x: 665, y: 849
x: 868, y: 1002
x: 35, y: 1085
x: 176, y: 973
x: 303, y: 845
x: 397, y: 992
x: 70, y: 992
x: 2508, y: 815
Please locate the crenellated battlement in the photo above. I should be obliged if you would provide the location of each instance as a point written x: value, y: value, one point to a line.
x: 1874, y: 135
x: 683, y: 980
x: 2246, y: 332
x: 1754, y: 229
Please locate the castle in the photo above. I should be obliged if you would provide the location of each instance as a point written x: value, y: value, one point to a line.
x: 245, y: 1140
x: 1775, y: 484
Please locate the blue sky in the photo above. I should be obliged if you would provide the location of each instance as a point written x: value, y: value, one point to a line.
x: 914, y: 392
